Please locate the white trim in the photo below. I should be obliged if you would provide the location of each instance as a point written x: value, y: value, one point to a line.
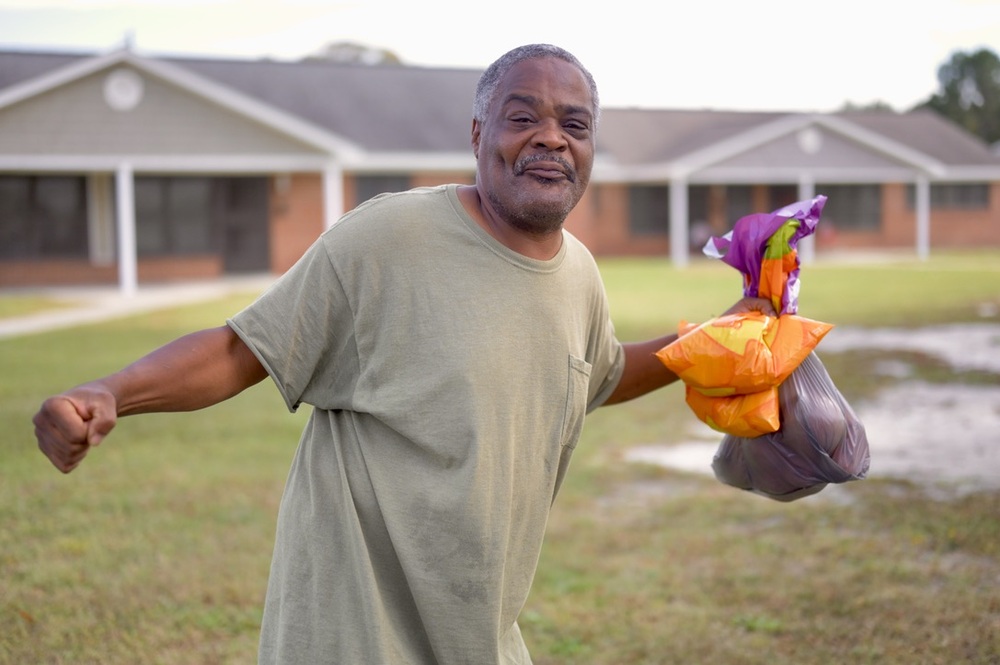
x: 263, y: 164
x: 679, y: 222
x: 763, y: 175
x: 333, y: 193
x: 793, y: 175
x: 127, y: 252
x: 980, y: 173
x: 411, y: 161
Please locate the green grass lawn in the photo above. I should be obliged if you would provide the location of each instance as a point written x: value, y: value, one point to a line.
x: 156, y: 549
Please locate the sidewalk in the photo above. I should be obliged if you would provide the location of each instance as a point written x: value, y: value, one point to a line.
x: 99, y: 303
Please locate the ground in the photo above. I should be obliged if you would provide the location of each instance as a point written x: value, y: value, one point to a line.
x: 943, y: 435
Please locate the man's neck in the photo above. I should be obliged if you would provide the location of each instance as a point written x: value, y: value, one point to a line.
x: 541, y: 247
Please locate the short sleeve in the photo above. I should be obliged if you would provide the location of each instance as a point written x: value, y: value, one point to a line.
x: 302, y: 331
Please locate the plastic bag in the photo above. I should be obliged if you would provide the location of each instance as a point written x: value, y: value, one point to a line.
x: 739, y: 354
x: 731, y: 365
x: 764, y: 248
x: 821, y: 441
x: 740, y: 415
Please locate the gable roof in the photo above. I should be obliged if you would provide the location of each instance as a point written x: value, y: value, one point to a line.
x: 383, y: 108
x: 366, y: 111
x: 345, y: 107
x: 225, y: 96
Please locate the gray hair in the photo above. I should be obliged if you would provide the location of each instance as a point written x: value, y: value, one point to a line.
x: 488, y: 82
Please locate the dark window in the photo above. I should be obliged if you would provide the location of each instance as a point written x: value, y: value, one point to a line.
x: 174, y: 216
x: 649, y: 210
x: 955, y: 196
x: 43, y: 217
x: 739, y: 203
x: 851, y: 207
x: 369, y: 186
x: 698, y: 196
x: 779, y: 196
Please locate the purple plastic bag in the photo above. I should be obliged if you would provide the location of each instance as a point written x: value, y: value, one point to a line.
x: 745, y: 246
x: 821, y: 441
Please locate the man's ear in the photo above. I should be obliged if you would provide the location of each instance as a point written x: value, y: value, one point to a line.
x: 475, y: 137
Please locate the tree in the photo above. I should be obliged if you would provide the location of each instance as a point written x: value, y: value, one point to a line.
x: 969, y: 93
x: 355, y: 54
x: 877, y: 105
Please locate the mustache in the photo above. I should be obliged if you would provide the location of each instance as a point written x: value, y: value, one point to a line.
x: 521, y: 165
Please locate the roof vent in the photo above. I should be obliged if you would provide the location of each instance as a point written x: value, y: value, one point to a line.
x: 123, y: 89
x: 810, y: 140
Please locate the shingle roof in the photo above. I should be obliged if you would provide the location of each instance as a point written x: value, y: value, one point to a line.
x: 19, y: 66
x: 928, y: 132
x: 395, y: 108
x: 639, y: 136
x: 383, y: 108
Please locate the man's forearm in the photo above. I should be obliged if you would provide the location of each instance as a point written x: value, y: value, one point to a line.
x: 643, y: 371
x: 192, y: 372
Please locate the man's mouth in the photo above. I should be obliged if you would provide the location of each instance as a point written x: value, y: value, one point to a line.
x: 546, y: 167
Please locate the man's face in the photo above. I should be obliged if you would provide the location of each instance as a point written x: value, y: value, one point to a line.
x: 535, y: 149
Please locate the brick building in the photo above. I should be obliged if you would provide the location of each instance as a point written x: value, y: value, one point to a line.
x: 127, y: 168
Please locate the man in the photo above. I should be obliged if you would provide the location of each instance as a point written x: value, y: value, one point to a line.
x: 450, y: 341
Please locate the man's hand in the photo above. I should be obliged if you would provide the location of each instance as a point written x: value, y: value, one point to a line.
x: 762, y: 305
x: 68, y: 425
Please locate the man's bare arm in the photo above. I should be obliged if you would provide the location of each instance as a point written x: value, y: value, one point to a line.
x: 644, y: 372
x: 192, y: 372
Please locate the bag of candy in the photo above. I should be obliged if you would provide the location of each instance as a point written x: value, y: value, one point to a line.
x: 788, y: 431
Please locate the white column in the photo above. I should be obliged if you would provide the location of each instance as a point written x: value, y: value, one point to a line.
x: 679, y: 222
x: 333, y: 193
x: 807, y: 245
x: 923, y: 205
x: 127, y: 254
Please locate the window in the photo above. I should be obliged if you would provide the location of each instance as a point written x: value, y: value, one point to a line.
x: 649, y: 210
x: 779, y: 196
x: 698, y: 197
x: 852, y: 207
x: 739, y: 203
x: 43, y: 217
x: 955, y: 196
x: 174, y: 216
x: 369, y: 186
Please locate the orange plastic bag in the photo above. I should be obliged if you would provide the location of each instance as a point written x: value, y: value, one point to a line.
x: 732, y: 365
x: 745, y: 416
x: 739, y: 354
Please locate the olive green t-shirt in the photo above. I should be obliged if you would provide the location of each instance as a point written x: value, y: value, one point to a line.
x: 449, y: 378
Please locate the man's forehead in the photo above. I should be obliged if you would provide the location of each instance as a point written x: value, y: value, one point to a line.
x: 530, y: 80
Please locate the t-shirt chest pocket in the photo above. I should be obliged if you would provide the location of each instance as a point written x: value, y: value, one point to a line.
x: 577, y: 388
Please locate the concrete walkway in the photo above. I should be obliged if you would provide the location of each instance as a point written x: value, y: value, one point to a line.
x: 93, y: 304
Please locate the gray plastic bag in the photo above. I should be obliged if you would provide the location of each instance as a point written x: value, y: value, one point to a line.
x: 820, y: 441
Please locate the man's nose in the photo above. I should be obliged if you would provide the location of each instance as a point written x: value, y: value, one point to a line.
x: 550, y: 135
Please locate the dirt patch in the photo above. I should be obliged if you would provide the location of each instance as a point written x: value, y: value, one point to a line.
x: 944, y: 436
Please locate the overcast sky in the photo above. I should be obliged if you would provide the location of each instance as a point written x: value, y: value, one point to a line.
x: 724, y: 54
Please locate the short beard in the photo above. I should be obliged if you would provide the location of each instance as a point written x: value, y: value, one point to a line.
x: 536, y: 219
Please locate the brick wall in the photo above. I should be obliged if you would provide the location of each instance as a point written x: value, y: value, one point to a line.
x: 296, y: 202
